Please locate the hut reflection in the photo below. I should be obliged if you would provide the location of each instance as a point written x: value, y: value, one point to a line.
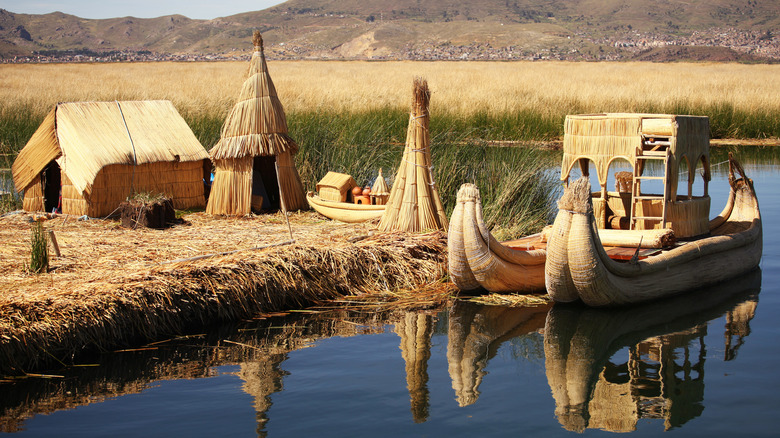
x: 607, y: 368
x: 262, y: 377
x: 475, y: 334
x: 415, y: 331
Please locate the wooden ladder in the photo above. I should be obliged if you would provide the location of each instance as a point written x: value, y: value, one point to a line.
x: 651, y: 149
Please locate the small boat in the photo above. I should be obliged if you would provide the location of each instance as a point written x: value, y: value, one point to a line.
x: 345, y: 211
x: 732, y: 246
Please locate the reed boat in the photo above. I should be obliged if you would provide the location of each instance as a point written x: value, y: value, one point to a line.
x: 732, y: 247
x: 345, y: 211
x: 659, y: 148
x: 631, y: 223
x: 477, y: 260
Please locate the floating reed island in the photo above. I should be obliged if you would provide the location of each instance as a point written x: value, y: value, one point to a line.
x: 114, y: 286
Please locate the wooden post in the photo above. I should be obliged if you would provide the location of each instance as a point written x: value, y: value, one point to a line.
x: 54, y: 243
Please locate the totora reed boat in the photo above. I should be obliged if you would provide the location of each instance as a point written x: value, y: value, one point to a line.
x: 345, y: 211
x: 732, y: 246
x: 637, y: 237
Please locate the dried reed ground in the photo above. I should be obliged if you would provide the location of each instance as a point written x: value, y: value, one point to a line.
x: 111, y: 286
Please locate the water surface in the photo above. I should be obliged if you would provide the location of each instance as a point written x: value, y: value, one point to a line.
x: 702, y: 364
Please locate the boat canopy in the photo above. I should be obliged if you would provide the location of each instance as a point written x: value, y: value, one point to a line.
x: 603, y: 138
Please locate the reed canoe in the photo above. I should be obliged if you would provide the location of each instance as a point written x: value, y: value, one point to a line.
x: 585, y: 271
x: 345, y: 211
x: 477, y: 260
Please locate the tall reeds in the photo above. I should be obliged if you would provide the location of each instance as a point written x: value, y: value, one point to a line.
x: 39, y: 249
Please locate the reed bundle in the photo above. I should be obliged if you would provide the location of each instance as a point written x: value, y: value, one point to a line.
x: 110, y: 288
x: 414, y: 204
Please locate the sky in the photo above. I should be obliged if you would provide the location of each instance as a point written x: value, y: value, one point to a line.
x: 202, y: 9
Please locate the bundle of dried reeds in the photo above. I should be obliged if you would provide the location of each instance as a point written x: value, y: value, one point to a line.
x: 414, y: 204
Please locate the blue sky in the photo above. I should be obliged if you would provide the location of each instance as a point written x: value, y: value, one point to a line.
x: 204, y: 9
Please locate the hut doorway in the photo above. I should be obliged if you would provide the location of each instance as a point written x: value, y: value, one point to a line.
x: 264, y: 182
x: 51, y: 179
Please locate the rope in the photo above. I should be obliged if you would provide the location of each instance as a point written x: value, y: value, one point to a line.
x: 135, y: 158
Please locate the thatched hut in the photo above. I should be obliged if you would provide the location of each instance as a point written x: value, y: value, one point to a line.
x: 254, y: 154
x: 414, y: 204
x: 88, y: 157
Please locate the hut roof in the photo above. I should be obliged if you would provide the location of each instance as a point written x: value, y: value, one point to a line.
x: 337, y: 180
x: 84, y: 137
x: 256, y: 125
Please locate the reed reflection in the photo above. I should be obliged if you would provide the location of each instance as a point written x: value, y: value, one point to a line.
x: 608, y: 368
x: 415, y: 331
x: 475, y: 334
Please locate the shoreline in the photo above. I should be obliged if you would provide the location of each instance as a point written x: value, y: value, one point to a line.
x: 112, y: 286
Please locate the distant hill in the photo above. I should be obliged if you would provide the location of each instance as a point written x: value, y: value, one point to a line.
x: 416, y: 29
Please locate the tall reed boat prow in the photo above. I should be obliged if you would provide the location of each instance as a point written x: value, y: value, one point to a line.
x: 580, y: 266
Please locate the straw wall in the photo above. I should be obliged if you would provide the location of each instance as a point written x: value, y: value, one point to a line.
x: 182, y: 182
x: 600, y: 139
x: 232, y: 188
x: 33, y: 196
x: 72, y: 201
x: 290, y: 182
x: 687, y: 217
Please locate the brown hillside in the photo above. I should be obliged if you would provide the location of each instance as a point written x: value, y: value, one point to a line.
x: 430, y: 29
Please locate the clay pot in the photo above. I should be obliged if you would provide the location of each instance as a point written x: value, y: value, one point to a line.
x: 356, y: 191
x: 367, y: 191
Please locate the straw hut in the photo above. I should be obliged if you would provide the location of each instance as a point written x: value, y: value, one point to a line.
x: 254, y: 154
x: 88, y: 157
x: 379, y: 191
x: 414, y: 204
x: 336, y: 186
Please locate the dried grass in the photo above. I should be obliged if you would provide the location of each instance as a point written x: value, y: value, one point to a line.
x: 110, y: 288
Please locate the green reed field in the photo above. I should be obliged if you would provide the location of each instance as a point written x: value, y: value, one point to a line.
x: 352, y: 116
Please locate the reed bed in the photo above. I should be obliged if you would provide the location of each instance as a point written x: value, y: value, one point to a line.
x: 110, y: 286
x: 489, y: 100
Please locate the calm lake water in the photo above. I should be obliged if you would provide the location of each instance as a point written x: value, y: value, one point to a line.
x: 702, y: 364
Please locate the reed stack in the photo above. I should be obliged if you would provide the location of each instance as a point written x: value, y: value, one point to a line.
x: 414, y: 204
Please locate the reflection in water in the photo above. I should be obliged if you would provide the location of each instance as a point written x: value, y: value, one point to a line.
x: 415, y: 330
x: 658, y: 371
x: 475, y: 333
x: 258, y: 349
x: 607, y: 368
x: 262, y: 377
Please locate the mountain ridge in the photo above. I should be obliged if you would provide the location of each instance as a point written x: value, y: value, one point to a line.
x: 414, y: 29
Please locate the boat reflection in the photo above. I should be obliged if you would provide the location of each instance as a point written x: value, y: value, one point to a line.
x: 608, y: 368
x: 475, y: 333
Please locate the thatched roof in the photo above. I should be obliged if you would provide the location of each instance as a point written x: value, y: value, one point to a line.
x: 602, y: 138
x: 256, y: 125
x: 380, y: 185
x: 85, y: 137
x: 339, y: 181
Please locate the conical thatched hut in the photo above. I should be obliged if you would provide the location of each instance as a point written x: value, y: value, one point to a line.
x: 414, y: 204
x: 254, y: 143
x: 88, y: 157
